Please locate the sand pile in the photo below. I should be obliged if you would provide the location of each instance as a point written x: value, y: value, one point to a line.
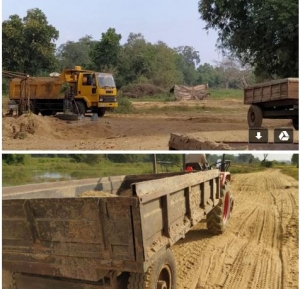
x: 32, y: 125
x: 28, y: 124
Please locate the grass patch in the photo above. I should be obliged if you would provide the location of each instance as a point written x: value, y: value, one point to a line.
x: 226, y: 93
x: 124, y: 106
x: 38, y: 170
x: 289, y: 170
x: 197, y: 108
x: 162, y: 97
x: 245, y: 168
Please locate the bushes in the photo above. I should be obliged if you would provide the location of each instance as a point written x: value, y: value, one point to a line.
x: 90, y: 159
x: 140, y: 90
x: 124, y: 106
x: 267, y: 164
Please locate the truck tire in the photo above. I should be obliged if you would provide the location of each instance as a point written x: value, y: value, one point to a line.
x: 161, y: 275
x: 296, y: 123
x: 218, y: 217
x: 255, y: 116
x: 81, y: 108
x: 101, y: 112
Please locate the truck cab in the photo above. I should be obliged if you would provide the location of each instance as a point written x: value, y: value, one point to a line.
x: 96, y: 90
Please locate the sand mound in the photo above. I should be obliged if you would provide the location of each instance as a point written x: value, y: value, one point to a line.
x: 27, y: 124
x: 38, y: 126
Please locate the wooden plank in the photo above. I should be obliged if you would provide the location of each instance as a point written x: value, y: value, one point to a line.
x: 273, y: 90
x: 149, y: 190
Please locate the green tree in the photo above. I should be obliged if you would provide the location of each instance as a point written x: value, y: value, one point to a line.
x: 207, y: 74
x: 28, y: 43
x: 134, y: 60
x: 245, y: 158
x: 189, y: 54
x: 187, y: 61
x: 13, y: 159
x: 263, y: 34
x: 295, y: 159
x: 126, y: 158
x: 105, y: 53
x: 90, y: 159
x: 73, y: 53
x: 164, y: 71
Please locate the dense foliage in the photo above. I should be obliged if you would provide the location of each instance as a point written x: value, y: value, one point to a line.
x: 28, y: 43
x: 263, y: 34
x: 28, y: 46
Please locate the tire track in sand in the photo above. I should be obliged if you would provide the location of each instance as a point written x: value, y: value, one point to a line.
x: 259, y: 249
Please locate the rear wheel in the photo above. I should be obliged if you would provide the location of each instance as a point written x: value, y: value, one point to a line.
x: 217, y: 218
x: 255, y: 116
x: 161, y: 275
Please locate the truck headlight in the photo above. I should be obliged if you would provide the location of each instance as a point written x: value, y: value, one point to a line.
x: 100, y: 99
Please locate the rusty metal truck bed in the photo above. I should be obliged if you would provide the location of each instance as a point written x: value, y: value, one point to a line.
x: 50, y: 231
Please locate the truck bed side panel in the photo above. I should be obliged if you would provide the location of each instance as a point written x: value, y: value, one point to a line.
x: 39, y: 88
x: 171, y: 206
x: 59, y: 236
x: 279, y: 90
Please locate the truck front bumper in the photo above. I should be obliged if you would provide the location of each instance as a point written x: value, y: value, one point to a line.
x: 108, y: 105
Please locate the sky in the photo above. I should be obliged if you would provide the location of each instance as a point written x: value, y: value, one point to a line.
x: 176, y: 23
x: 274, y: 156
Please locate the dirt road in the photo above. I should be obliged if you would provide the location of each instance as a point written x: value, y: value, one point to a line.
x: 214, y: 120
x: 260, y: 246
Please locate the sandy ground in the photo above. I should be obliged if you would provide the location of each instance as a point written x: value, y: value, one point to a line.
x: 259, y: 248
x: 217, y: 120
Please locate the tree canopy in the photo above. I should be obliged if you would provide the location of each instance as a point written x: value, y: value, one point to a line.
x: 73, y: 53
x: 29, y: 47
x: 263, y: 34
x: 105, y: 53
x: 28, y: 43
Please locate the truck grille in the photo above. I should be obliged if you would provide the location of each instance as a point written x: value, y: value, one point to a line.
x: 108, y: 99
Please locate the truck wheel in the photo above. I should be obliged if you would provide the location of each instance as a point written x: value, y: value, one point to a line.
x: 296, y: 123
x: 101, y: 112
x: 161, y: 275
x: 81, y: 108
x: 254, y: 116
x: 217, y: 218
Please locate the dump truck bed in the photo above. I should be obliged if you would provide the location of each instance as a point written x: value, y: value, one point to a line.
x: 39, y: 88
x: 53, y: 232
x: 282, y: 90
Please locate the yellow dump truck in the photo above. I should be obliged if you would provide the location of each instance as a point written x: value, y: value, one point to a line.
x: 91, y: 91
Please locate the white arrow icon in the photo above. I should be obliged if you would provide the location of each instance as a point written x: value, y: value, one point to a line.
x: 284, y: 136
x: 258, y: 135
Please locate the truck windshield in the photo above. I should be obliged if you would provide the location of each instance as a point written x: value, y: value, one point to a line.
x: 106, y: 80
